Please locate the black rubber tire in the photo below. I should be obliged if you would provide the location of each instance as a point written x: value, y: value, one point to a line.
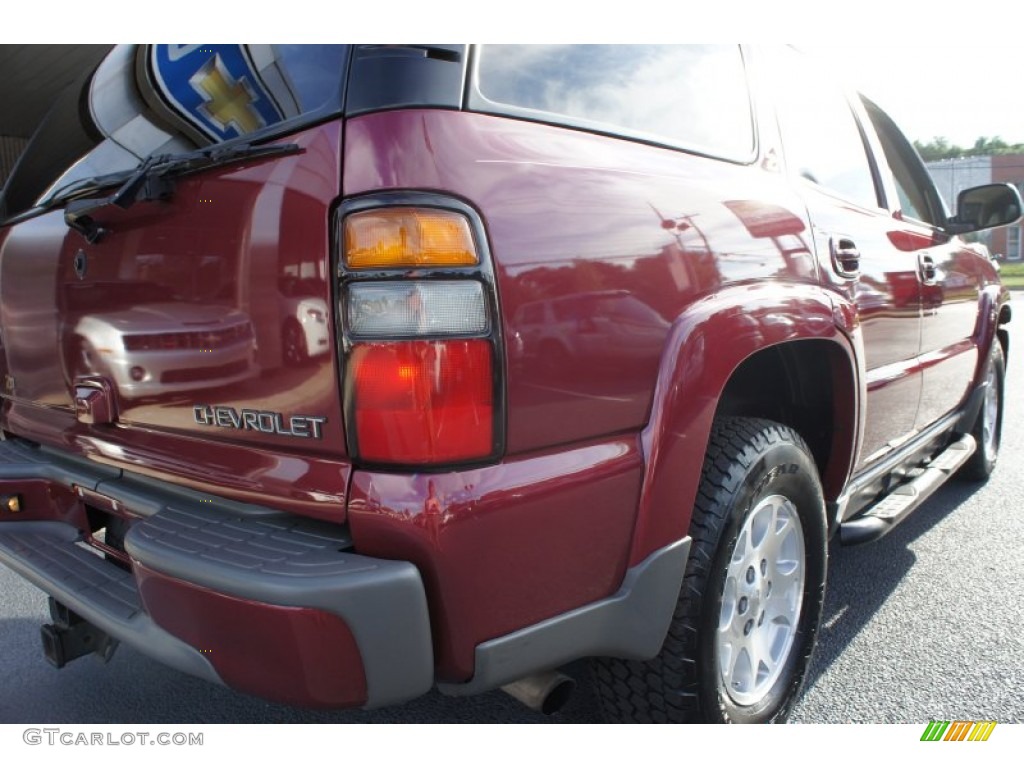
x: 982, y: 463
x: 747, y: 461
x: 293, y: 344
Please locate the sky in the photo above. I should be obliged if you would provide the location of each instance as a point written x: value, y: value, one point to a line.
x: 938, y: 70
x: 960, y: 92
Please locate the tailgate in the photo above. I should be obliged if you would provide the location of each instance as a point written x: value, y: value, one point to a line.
x: 193, y: 340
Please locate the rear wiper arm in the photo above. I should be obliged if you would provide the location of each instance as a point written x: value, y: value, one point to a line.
x: 78, y: 213
x: 152, y: 180
x: 82, y: 187
x: 211, y: 157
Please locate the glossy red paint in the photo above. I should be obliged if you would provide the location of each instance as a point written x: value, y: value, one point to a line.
x: 203, y: 293
x: 693, y: 376
x: 299, y: 656
x: 42, y: 500
x: 504, y: 546
x: 628, y: 247
x: 632, y: 284
x: 599, y: 245
x: 305, y: 485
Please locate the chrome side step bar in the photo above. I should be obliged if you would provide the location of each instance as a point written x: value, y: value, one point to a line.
x: 904, y: 499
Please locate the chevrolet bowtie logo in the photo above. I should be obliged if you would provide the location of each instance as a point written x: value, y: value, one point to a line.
x: 227, y: 102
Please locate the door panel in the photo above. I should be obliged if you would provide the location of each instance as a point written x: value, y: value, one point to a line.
x: 949, y: 354
x: 860, y: 258
x: 886, y: 292
x: 951, y: 273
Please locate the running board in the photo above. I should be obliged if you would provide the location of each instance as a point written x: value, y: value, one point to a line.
x: 894, y: 508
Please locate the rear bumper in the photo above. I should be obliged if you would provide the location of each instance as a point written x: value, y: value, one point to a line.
x: 280, y: 606
x: 267, y: 603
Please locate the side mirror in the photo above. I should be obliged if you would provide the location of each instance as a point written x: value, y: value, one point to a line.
x: 986, y: 207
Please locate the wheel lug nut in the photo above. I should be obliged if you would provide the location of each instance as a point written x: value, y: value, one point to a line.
x: 743, y: 605
x: 750, y: 575
x: 748, y: 626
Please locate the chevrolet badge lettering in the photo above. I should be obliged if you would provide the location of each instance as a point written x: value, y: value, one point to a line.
x: 269, y: 422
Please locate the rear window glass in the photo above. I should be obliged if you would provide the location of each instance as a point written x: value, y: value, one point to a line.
x: 693, y: 96
x: 220, y: 92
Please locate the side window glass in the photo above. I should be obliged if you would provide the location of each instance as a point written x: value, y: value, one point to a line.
x: 820, y: 136
x: 917, y: 195
x: 693, y: 96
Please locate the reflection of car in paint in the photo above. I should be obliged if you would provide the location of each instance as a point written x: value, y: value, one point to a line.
x: 161, y: 348
x: 770, y: 334
x: 304, y: 330
x: 610, y: 323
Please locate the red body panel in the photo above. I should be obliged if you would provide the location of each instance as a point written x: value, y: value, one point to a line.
x: 575, y: 220
x: 692, y: 379
x: 301, y: 656
x: 506, y: 546
x: 605, y: 217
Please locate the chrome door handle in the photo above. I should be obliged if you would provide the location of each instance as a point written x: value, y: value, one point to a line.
x: 926, y: 266
x: 845, y: 256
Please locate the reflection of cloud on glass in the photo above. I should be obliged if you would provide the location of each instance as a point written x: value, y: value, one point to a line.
x: 647, y: 89
x: 312, y: 71
x: 132, y: 115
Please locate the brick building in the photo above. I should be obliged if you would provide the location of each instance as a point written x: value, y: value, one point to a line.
x: 957, y: 174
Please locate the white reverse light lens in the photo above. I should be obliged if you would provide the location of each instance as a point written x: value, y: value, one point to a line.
x: 417, y: 308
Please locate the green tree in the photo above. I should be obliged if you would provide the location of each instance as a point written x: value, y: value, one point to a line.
x: 939, y: 148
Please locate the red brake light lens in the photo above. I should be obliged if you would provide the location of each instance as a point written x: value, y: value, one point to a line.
x: 423, y: 402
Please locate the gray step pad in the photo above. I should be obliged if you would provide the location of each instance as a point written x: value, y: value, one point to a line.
x: 48, y: 550
x: 47, y: 555
x: 277, y: 545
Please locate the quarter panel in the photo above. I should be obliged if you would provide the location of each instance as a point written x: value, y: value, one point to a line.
x: 599, y: 243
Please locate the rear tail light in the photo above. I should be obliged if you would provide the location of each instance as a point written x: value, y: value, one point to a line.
x: 423, y: 401
x: 419, y: 337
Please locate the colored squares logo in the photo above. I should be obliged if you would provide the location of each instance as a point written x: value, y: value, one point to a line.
x: 958, y: 730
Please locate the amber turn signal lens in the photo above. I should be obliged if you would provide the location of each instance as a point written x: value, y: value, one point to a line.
x: 394, y: 238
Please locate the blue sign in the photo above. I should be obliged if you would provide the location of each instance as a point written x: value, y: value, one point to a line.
x: 215, y: 88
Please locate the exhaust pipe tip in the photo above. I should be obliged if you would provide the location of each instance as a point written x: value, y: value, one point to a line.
x: 544, y: 692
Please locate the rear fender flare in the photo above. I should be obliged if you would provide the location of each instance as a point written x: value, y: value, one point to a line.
x: 707, y: 343
x: 991, y: 300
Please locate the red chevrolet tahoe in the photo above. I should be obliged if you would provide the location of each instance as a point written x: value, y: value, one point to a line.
x: 336, y: 373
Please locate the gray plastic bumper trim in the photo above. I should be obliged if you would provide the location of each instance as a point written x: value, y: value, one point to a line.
x: 237, y: 549
x: 284, y: 560
x: 631, y: 624
x: 46, y: 555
